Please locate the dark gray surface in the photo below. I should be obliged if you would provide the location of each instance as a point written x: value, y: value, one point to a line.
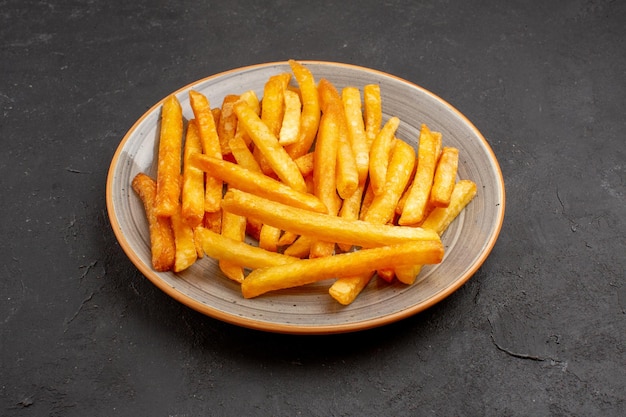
x: 539, y: 330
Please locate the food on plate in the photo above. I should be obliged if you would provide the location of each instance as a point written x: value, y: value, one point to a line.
x: 162, y: 244
x: 306, y: 183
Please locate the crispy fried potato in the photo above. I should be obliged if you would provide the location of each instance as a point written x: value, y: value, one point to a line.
x: 415, y: 205
x: 346, y: 289
x: 320, y: 226
x: 379, y: 154
x: 290, y: 127
x: 227, y: 124
x: 184, y: 244
x: 192, y: 195
x: 253, y: 182
x: 233, y: 227
x: 162, y: 243
x: 210, y: 146
x: 399, y: 173
x: 310, y: 110
x: 346, y: 172
x: 243, y: 155
x: 219, y: 247
x: 168, y: 163
x: 280, y: 162
x: 439, y: 220
x: 373, y: 112
x: 445, y: 177
x: 305, y: 164
x: 307, y: 271
x: 351, y: 98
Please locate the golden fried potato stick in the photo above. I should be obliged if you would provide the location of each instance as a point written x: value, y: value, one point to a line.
x: 242, y: 154
x: 373, y: 111
x: 320, y: 226
x: 227, y: 123
x: 310, y: 110
x: 280, y: 162
x: 379, y: 154
x: 414, y: 209
x: 162, y: 243
x: 230, y: 250
x: 192, y: 195
x: 347, y: 175
x: 268, y: 238
x: 346, y: 289
x: 168, y: 160
x: 307, y: 271
x: 273, y: 104
x: 184, y: 243
x: 300, y: 248
x: 351, y: 98
x: 324, y: 168
x: 399, y: 172
x: 210, y: 146
x: 445, y: 177
x: 305, y: 164
x: 290, y: 127
x: 256, y: 183
x: 350, y: 210
x: 233, y: 227
x: 438, y: 220
x: 251, y: 98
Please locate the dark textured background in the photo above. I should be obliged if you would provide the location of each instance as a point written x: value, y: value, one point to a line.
x: 539, y: 330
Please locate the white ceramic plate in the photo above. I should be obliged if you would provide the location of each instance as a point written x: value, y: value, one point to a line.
x: 468, y: 241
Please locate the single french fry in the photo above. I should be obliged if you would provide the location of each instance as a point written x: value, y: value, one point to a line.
x: 253, y: 182
x: 184, y: 243
x: 346, y: 289
x: 162, y: 244
x: 346, y: 172
x: 233, y: 227
x: 414, y: 209
x: 268, y: 239
x: 210, y: 146
x: 300, y: 248
x: 273, y: 104
x: 281, y: 163
x: 253, y: 228
x: 168, y: 161
x: 243, y: 155
x: 305, y: 164
x: 310, y: 118
x: 445, y: 177
x: 379, y: 154
x: 350, y: 210
x: 307, y: 271
x: 251, y: 98
x: 351, y: 97
x: 227, y: 124
x: 325, y: 161
x: 320, y: 226
x: 192, y: 194
x: 373, y: 113
x: 287, y: 238
x: 399, y: 173
x: 213, y: 220
x: 290, y: 127
x: 439, y: 220
x: 219, y: 247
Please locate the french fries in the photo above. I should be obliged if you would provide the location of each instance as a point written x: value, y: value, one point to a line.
x: 168, y: 166
x: 162, y: 243
x: 313, y: 175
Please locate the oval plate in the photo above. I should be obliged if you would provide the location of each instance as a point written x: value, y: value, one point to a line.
x: 311, y: 310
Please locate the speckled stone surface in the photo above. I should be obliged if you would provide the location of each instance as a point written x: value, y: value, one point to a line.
x: 539, y: 330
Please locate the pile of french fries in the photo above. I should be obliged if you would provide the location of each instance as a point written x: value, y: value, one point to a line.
x: 301, y: 185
